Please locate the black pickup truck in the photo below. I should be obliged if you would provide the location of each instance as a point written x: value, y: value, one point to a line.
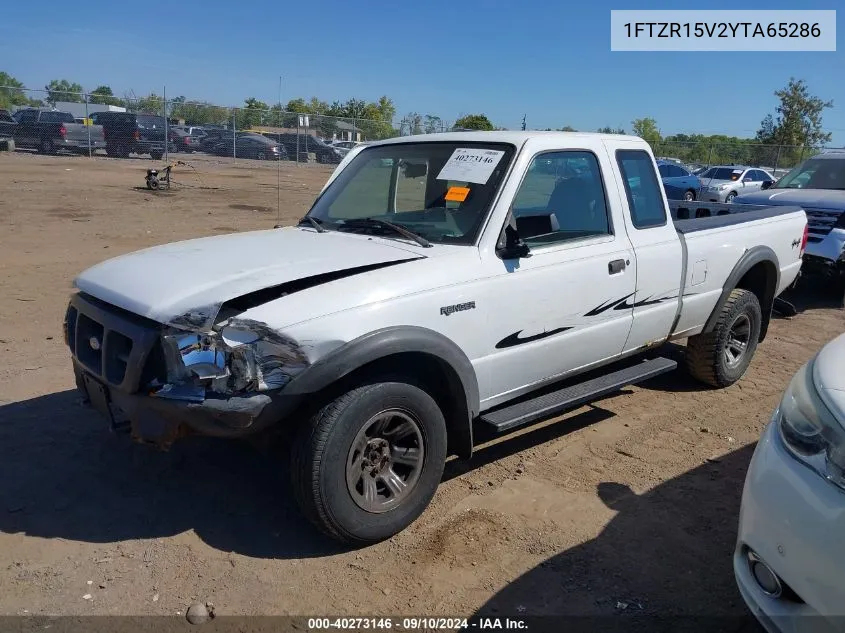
x: 130, y: 133
x: 49, y: 131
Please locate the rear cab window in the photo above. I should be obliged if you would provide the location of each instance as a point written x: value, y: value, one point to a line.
x: 644, y: 193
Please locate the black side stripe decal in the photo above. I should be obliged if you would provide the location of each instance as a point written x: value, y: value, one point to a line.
x: 514, y: 339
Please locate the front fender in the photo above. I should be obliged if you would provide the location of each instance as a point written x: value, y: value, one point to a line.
x: 389, y: 341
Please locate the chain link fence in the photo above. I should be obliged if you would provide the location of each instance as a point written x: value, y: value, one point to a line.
x: 153, y: 126
x: 157, y: 127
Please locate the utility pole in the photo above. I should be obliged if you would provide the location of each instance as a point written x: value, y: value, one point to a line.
x: 523, y: 122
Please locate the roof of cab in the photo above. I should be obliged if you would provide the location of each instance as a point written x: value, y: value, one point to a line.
x: 500, y: 136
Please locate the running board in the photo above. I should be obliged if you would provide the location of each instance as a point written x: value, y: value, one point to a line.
x: 556, y: 402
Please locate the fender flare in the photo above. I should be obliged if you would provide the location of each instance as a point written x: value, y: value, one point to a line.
x: 749, y: 259
x: 388, y: 341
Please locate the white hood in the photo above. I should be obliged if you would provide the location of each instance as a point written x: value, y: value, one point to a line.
x: 188, y: 281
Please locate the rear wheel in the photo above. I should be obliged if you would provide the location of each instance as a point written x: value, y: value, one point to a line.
x: 368, y: 463
x: 47, y: 146
x: 719, y: 358
x: 156, y: 154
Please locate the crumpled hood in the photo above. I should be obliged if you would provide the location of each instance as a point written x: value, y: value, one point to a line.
x: 829, y: 376
x: 813, y: 198
x: 166, y: 283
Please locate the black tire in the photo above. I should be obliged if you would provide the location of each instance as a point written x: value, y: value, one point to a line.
x: 322, y: 456
x: 156, y: 155
x: 47, y: 146
x: 730, y: 197
x: 689, y: 195
x: 709, y: 355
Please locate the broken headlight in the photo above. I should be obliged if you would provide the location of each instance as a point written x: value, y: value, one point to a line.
x: 239, y: 358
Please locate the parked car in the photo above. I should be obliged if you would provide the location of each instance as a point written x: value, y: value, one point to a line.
x: 193, y: 130
x: 183, y: 141
x: 50, y: 131
x: 212, y: 137
x: 306, y: 144
x: 251, y: 146
x: 725, y: 182
x: 678, y: 182
x: 343, y: 147
x: 818, y: 186
x: 381, y: 330
x: 7, y: 125
x: 128, y: 132
x: 790, y: 553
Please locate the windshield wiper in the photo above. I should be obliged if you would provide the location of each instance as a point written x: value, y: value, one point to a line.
x: 314, y: 222
x: 419, y: 239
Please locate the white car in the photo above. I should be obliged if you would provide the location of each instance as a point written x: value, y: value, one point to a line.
x: 439, y: 283
x: 726, y: 182
x: 790, y: 556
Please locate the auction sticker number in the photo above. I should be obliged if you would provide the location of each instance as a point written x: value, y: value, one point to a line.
x: 471, y: 165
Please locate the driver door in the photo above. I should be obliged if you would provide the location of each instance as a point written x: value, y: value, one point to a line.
x: 563, y: 307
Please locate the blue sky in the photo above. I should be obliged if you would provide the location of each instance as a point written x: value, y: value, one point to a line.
x: 549, y: 60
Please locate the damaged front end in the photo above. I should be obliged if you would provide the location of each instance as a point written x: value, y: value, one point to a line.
x: 223, y: 382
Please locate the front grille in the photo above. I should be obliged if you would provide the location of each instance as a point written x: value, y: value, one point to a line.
x: 109, y: 343
x: 821, y: 221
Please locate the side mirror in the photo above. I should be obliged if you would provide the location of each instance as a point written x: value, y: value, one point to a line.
x: 514, y: 247
x: 767, y: 184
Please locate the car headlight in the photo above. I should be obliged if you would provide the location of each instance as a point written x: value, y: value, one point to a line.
x: 723, y: 187
x: 810, y: 431
x: 241, y: 357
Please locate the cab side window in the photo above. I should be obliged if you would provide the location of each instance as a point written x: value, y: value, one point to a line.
x: 562, y: 198
x: 645, y: 198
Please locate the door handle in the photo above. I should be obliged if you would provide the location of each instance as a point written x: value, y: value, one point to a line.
x: 616, y: 266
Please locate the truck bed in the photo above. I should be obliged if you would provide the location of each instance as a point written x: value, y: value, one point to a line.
x: 690, y: 217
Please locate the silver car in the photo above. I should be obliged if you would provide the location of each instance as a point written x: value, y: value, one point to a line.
x: 724, y: 183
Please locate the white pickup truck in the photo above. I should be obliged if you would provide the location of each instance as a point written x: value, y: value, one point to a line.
x: 438, y: 283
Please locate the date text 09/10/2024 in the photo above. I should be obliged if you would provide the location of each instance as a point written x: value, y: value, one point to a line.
x: 722, y: 29
x: 415, y: 624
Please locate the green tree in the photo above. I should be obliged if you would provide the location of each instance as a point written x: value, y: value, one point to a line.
x: 151, y: 104
x: 474, y: 122
x: 12, y: 93
x: 63, y: 90
x: 610, y: 130
x: 798, y: 123
x: 253, y: 113
x: 413, y: 122
x: 103, y: 95
x: 200, y: 113
x: 646, y: 129
x: 432, y: 124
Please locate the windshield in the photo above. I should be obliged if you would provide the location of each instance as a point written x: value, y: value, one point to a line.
x: 816, y: 173
x: 722, y: 173
x: 440, y: 191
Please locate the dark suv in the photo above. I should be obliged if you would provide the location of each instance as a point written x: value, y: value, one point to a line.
x: 127, y: 132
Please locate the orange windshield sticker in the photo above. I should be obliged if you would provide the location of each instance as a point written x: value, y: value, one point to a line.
x: 457, y: 194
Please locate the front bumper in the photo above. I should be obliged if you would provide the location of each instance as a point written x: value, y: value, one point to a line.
x: 825, y: 254
x: 793, y: 520
x: 713, y: 196
x: 115, y: 356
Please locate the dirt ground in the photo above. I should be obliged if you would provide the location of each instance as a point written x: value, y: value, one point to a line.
x: 624, y: 508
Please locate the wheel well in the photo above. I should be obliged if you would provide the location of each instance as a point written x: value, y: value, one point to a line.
x: 761, y: 279
x: 437, y: 377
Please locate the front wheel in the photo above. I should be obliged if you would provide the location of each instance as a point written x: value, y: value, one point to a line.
x: 731, y: 196
x: 689, y: 195
x: 721, y: 357
x: 368, y: 463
